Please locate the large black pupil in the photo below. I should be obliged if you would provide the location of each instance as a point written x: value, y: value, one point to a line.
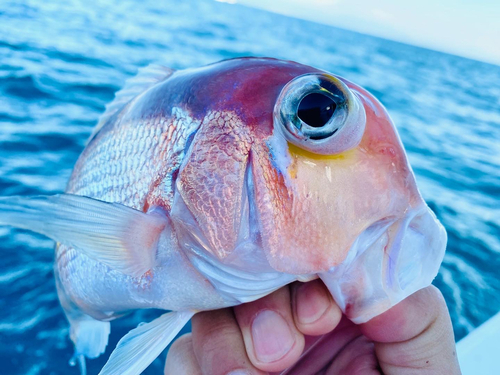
x: 316, y: 109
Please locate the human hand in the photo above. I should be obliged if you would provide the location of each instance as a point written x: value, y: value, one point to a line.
x: 270, y: 335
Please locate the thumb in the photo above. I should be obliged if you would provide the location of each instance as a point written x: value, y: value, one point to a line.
x: 415, y: 336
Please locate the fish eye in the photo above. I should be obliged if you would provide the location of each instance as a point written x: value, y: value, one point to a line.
x: 316, y: 109
x: 319, y: 113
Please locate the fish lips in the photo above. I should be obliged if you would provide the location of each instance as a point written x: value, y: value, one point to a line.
x: 390, y: 260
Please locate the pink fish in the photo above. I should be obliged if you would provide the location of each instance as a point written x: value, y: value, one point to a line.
x: 211, y: 187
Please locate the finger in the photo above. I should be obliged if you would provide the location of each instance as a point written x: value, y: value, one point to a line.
x: 272, y: 341
x: 181, y: 358
x: 218, y: 345
x: 357, y: 357
x: 416, y: 334
x: 314, y: 311
x: 323, y: 349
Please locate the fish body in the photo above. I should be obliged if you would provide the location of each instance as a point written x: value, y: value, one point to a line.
x: 235, y: 179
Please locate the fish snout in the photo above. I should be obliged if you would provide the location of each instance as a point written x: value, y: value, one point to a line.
x: 390, y: 260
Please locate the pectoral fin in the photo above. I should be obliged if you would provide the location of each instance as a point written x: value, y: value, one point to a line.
x: 118, y: 236
x: 138, y: 348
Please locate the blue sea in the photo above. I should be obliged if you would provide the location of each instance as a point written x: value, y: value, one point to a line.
x: 61, y: 62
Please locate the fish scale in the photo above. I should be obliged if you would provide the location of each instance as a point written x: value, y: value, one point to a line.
x: 130, y: 184
x: 127, y: 175
x: 224, y: 146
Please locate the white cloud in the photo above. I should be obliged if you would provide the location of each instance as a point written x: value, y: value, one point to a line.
x: 466, y: 28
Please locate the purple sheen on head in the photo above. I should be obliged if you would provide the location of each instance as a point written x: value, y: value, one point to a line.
x: 249, y: 87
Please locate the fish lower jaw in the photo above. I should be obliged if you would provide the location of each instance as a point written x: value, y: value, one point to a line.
x: 388, y: 262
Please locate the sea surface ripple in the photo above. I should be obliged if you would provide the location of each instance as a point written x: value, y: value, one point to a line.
x: 61, y: 62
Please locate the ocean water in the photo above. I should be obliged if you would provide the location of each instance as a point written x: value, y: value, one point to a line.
x: 61, y: 62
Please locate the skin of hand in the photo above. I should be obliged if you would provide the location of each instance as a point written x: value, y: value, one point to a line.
x: 300, y: 328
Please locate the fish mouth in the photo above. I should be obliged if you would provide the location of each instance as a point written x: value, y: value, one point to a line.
x: 390, y: 260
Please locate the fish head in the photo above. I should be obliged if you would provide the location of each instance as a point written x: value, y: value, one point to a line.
x: 307, y: 169
x: 353, y: 213
x: 339, y: 183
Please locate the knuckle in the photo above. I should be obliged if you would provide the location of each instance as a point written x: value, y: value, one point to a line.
x: 216, y: 337
x: 181, y: 344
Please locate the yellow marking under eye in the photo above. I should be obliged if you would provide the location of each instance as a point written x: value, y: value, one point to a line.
x: 297, y: 151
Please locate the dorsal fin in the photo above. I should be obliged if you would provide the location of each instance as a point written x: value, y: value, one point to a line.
x: 146, y: 77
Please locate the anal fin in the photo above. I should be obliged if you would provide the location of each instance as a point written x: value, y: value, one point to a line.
x: 138, y: 348
x: 90, y: 337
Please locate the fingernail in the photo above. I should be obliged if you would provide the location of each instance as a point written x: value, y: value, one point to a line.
x: 311, y: 302
x: 238, y: 372
x: 271, y: 336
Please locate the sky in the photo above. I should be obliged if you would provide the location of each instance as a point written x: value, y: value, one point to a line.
x: 469, y: 28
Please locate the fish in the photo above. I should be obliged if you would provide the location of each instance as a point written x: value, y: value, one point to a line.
x: 213, y: 186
